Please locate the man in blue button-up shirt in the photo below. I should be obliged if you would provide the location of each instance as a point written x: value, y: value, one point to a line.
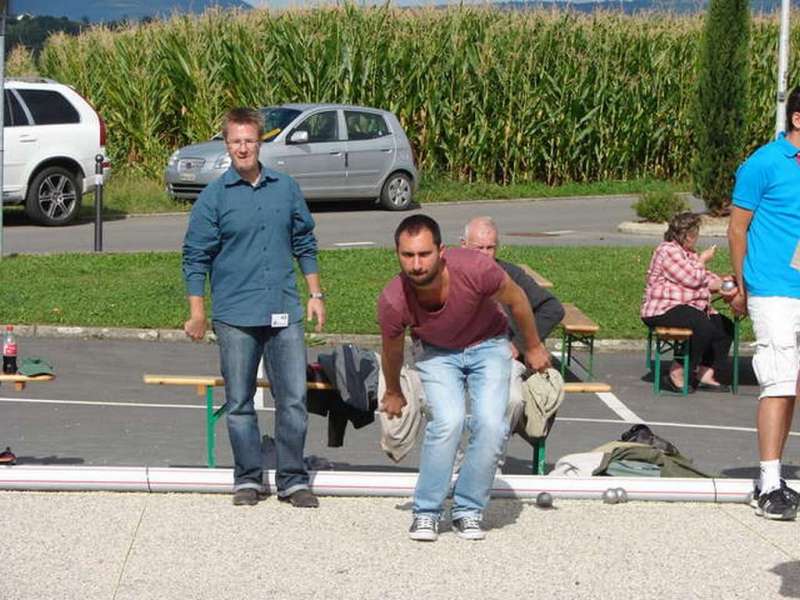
x: 243, y: 232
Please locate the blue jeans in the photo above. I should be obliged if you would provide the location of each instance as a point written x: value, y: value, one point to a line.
x: 284, y: 351
x: 485, y: 369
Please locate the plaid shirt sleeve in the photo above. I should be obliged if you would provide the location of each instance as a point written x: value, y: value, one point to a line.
x: 683, y: 267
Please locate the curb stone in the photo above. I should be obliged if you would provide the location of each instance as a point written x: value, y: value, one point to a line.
x: 312, y: 339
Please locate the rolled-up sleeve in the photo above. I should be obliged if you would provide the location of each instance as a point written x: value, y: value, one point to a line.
x: 304, y: 242
x: 201, y: 243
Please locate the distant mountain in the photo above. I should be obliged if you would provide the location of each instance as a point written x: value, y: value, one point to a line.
x: 115, y: 10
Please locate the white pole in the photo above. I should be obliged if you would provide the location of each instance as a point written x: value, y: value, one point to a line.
x: 60, y: 478
x: 783, y: 67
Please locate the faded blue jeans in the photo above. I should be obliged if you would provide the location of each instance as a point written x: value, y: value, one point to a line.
x: 284, y: 352
x: 485, y: 370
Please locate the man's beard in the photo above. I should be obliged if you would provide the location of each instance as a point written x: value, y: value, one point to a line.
x: 425, y: 280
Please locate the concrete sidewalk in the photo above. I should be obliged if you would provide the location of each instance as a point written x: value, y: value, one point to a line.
x: 139, y: 546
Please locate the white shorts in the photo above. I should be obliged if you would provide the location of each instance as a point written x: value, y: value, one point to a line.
x: 776, y: 324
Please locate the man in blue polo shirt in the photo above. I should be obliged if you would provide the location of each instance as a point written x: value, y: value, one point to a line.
x: 243, y: 232
x: 764, y: 238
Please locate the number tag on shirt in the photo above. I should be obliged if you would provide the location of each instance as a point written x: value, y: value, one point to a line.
x: 796, y: 258
x: 280, y: 319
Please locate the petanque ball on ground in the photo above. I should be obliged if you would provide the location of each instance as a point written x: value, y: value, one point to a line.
x: 622, y: 495
x: 610, y: 496
x: 544, y: 500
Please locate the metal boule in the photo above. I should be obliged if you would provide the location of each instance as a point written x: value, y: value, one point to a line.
x: 610, y: 496
x: 544, y: 500
x: 622, y: 495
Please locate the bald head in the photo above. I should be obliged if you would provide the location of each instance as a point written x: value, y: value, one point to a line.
x: 481, y: 234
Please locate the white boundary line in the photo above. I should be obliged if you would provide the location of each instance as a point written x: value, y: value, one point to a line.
x: 346, y: 244
x: 102, y: 403
x: 615, y: 404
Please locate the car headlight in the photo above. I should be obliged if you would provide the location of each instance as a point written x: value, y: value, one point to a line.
x: 223, y: 162
x: 173, y: 159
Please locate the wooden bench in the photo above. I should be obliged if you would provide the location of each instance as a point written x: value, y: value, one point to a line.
x: 19, y: 381
x: 577, y: 328
x: 205, y: 387
x: 675, y: 339
x: 539, y: 279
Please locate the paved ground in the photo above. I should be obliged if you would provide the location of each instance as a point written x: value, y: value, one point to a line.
x: 135, y: 546
x: 563, y: 221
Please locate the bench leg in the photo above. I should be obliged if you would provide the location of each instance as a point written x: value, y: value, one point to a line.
x: 563, y: 354
x: 649, y: 352
x: 657, y: 368
x: 539, y: 464
x: 211, y: 420
x: 686, y: 374
x: 590, y: 343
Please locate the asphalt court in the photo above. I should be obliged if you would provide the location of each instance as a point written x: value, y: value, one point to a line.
x: 99, y: 412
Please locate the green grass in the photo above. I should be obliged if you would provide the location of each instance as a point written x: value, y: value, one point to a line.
x: 146, y: 290
x: 436, y: 188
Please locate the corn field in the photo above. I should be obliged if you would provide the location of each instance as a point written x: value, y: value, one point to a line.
x: 483, y: 94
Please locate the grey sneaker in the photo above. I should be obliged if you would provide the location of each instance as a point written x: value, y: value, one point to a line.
x: 247, y: 497
x: 424, y: 528
x: 469, y: 528
x: 776, y: 505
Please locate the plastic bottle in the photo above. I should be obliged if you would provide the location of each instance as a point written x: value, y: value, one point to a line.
x: 9, y: 351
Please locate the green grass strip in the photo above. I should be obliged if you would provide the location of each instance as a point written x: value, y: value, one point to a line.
x: 146, y: 289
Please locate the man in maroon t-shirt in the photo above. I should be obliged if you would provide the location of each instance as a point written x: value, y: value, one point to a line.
x: 450, y: 303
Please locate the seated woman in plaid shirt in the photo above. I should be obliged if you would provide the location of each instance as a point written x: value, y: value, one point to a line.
x: 678, y: 293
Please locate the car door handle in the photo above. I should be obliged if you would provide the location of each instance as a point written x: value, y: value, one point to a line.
x: 27, y: 139
x: 335, y: 153
x: 387, y: 150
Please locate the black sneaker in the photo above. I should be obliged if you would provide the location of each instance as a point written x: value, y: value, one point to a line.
x: 776, y: 505
x: 469, y: 528
x: 424, y: 528
x: 7, y: 457
x: 791, y: 494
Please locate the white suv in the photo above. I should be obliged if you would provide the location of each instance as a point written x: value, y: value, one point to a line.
x: 51, y: 138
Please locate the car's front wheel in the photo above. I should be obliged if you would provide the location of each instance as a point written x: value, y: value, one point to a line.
x: 54, y: 197
x: 397, y: 192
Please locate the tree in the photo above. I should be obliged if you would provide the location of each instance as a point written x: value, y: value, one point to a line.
x: 719, y: 111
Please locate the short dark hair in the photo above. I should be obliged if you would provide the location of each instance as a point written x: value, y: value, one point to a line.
x: 243, y: 115
x: 792, y: 106
x: 414, y: 224
x: 680, y: 226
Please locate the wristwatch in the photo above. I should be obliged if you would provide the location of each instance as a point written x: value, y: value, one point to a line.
x: 317, y: 295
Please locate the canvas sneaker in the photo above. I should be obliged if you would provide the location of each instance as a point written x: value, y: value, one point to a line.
x: 792, y: 494
x: 424, y: 528
x: 776, y: 505
x: 469, y: 528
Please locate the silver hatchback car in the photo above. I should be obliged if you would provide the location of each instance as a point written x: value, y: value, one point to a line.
x: 333, y: 151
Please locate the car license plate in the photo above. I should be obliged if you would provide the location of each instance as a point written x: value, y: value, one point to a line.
x: 187, y: 176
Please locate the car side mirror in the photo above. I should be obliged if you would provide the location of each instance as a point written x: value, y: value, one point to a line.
x: 299, y: 137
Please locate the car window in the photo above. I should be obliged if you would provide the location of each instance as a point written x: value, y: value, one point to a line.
x: 364, y: 126
x: 13, y: 116
x: 49, y: 108
x: 321, y: 127
x: 276, y: 120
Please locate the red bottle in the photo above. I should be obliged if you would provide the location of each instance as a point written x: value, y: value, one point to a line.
x: 9, y: 351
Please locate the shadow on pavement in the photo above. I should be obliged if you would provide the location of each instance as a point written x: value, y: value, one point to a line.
x: 50, y: 460
x: 790, y: 578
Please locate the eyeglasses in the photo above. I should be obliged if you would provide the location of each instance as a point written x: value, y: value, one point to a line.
x: 238, y: 143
